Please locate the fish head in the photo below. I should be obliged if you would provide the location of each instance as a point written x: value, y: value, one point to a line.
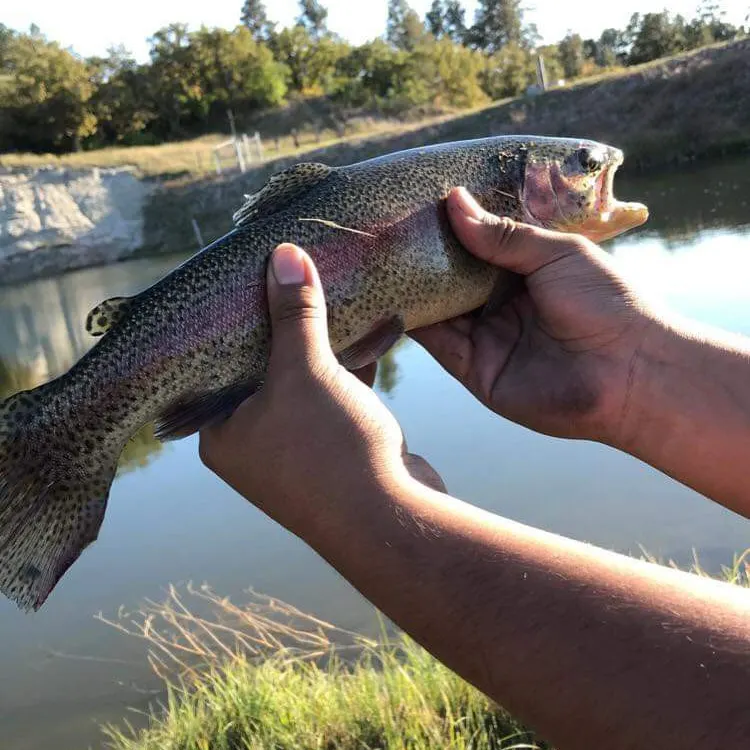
x: 568, y: 186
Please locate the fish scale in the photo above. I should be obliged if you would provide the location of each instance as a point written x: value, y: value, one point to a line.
x: 185, y: 352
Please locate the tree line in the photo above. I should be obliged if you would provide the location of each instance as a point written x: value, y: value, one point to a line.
x: 52, y: 100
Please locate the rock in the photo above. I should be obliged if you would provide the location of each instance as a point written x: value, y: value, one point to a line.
x: 55, y: 219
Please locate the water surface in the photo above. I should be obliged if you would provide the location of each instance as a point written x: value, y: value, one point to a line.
x: 170, y: 520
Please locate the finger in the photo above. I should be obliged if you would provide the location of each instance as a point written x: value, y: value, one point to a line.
x: 517, y: 247
x: 367, y: 373
x: 299, y: 331
x: 449, y: 343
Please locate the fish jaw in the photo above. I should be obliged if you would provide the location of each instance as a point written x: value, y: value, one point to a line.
x: 611, y: 217
x: 558, y: 197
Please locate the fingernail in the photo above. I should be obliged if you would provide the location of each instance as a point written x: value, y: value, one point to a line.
x: 288, y: 265
x: 468, y: 204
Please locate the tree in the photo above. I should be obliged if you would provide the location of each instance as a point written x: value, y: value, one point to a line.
x: 709, y: 26
x: 236, y: 71
x: 45, y: 95
x: 509, y: 71
x: 571, y: 55
x: 658, y: 35
x: 446, y: 20
x: 404, y: 28
x: 173, y: 81
x: 610, y: 48
x: 369, y: 73
x: 435, y: 19
x: 497, y: 23
x: 313, y: 17
x: 254, y: 18
x: 312, y: 61
x: 121, y: 99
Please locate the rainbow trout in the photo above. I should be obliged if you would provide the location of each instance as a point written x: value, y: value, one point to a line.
x: 185, y: 352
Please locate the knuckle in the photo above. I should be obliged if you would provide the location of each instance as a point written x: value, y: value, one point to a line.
x: 504, y: 234
x: 296, y: 311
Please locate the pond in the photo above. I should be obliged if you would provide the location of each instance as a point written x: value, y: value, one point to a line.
x: 171, y: 521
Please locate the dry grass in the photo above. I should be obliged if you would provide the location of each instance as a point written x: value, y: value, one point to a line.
x: 195, y: 158
x: 267, y: 675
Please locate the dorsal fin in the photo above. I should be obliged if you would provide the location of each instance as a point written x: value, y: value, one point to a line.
x: 279, y: 190
x: 106, y: 314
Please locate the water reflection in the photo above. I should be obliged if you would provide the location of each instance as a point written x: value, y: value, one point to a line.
x: 684, y: 204
x: 16, y: 377
x: 388, y: 372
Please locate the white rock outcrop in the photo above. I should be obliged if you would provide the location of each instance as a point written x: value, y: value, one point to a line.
x: 84, y: 216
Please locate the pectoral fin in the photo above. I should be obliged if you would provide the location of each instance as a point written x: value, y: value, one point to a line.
x: 373, y: 345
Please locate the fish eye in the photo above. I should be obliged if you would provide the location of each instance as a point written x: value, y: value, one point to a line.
x: 591, y: 160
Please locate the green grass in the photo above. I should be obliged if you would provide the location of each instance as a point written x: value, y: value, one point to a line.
x: 267, y: 676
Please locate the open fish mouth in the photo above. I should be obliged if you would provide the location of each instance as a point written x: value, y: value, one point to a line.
x: 610, y: 215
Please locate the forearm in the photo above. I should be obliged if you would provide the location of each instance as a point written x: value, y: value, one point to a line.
x: 590, y: 648
x: 688, y: 411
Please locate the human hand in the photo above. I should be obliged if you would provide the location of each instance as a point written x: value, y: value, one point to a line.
x: 556, y: 358
x: 314, y: 434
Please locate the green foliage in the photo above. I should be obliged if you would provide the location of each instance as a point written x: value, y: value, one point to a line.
x: 254, y: 18
x: 194, y: 77
x: 404, y: 29
x: 435, y: 19
x: 657, y: 35
x: 53, y: 101
x: 571, y: 55
x: 447, y: 19
x: 313, y: 18
x: 509, y: 71
x: 445, y: 74
x: 312, y: 61
x: 369, y: 74
x: 498, y: 23
x: 610, y: 48
x: 267, y: 676
x: 120, y: 99
x: 45, y: 94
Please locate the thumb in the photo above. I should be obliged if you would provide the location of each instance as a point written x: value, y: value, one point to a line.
x: 299, y: 330
x: 517, y: 247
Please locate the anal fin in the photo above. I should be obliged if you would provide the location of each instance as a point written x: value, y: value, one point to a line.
x: 373, y: 345
x: 189, y: 415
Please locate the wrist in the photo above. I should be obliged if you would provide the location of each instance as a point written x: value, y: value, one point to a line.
x: 343, y: 506
x: 645, y: 414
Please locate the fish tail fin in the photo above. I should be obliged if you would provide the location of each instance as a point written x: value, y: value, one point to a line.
x: 53, y: 493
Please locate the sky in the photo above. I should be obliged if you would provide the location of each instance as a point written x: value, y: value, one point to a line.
x: 92, y: 26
